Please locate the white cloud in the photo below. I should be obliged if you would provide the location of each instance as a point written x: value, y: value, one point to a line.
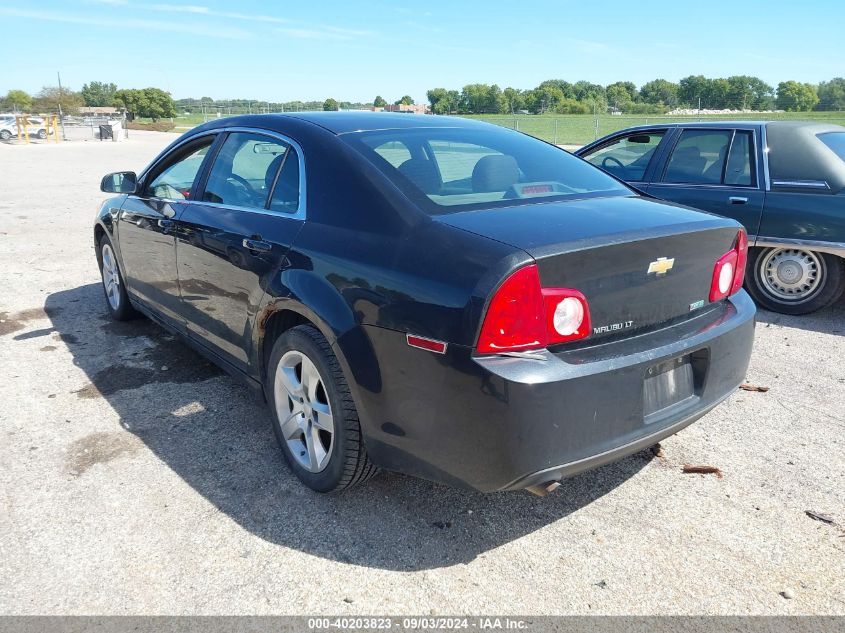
x: 127, y: 23
x: 200, y: 10
x: 324, y: 33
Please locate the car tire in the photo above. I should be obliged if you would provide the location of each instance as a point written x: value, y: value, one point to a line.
x: 322, y: 460
x: 42, y: 134
x: 5, y: 135
x: 117, y: 300
x: 793, y: 280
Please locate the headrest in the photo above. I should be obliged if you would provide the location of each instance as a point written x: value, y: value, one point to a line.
x: 422, y: 173
x: 495, y: 172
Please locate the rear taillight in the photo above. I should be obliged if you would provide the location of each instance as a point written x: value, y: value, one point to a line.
x: 522, y: 315
x: 729, y: 271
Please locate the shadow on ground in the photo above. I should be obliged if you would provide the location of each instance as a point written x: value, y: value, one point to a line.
x: 830, y: 320
x: 216, y: 436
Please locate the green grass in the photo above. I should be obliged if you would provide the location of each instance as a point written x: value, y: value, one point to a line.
x: 578, y: 129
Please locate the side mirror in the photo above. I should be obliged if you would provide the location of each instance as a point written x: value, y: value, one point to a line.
x: 119, y: 182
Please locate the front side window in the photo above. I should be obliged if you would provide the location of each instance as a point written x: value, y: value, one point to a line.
x: 627, y: 157
x: 176, y: 179
x: 712, y: 157
x: 244, y: 170
x: 456, y: 169
x: 394, y: 152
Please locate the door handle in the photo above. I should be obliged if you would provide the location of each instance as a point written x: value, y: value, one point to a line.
x: 737, y: 200
x: 257, y: 246
x: 165, y: 224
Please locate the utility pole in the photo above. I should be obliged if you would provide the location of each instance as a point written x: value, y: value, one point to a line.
x: 61, y: 116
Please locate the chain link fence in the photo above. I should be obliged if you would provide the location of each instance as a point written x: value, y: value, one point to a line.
x: 578, y: 130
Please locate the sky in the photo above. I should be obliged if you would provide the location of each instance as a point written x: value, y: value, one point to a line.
x: 353, y: 51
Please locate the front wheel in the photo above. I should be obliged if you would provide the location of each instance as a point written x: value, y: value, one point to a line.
x: 314, y: 416
x: 117, y: 300
x: 5, y: 135
x: 42, y: 134
x: 794, y: 280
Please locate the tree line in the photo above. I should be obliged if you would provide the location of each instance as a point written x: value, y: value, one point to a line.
x: 739, y: 92
x: 153, y: 103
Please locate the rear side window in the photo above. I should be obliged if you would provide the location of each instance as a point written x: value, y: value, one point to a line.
x: 627, y: 157
x: 286, y: 188
x: 738, y: 170
x: 244, y: 170
x: 711, y: 157
x: 835, y: 141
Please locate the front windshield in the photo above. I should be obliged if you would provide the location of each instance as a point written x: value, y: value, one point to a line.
x: 457, y: 169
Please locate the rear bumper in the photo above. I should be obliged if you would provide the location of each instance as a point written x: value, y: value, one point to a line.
x: 500, y: 423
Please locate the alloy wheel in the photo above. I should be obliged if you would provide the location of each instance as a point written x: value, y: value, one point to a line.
x: 111, y: 277
x: 304, y: 411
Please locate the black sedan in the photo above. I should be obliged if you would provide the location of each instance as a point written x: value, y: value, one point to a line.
x: 784, y: 180
x: 429, y: 295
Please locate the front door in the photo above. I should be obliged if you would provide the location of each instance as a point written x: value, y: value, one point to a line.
x: 146, y: 229
x: 715, y: 171
x: 234, y: 236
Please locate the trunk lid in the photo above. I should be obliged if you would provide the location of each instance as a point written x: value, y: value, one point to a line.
x: 639, y: 262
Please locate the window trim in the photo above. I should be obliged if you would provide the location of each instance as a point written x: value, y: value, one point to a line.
x: 223, y: 133
x: 721, y: 185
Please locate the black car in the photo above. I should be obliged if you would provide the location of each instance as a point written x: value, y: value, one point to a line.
x: 784, y: 180
x: 436, y: 296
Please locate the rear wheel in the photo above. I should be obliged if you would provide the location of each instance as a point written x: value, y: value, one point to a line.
x: 794, y: 280
x: 5, y: 135
x: 314, y: 417
x: 42, y: 134
x: 117, y: 300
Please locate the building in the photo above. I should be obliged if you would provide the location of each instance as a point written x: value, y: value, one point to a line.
x: 99, y: 111
x: 419, y: 108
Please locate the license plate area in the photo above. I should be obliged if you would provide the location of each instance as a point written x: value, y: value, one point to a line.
x: 668, y: 386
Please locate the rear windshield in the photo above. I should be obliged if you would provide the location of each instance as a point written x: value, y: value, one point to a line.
x: 457, y: 169
x: 835, y: 141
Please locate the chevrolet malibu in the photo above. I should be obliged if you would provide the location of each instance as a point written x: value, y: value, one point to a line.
x: 429, y: 295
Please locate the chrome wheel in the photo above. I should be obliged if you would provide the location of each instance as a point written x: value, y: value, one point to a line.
x: 304, y: 412
x: 111, y: 277
x: 790, y: 274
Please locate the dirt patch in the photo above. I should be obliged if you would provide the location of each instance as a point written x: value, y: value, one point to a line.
x: 98, y: 448
x: 17, y: 320
x: 48, y: 348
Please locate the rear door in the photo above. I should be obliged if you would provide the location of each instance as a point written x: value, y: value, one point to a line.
x: 145, y: 232
x: 715, y: 170
x: 630, y: 157
x: 234, y: 236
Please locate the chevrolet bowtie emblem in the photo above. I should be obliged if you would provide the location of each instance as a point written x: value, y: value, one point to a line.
x: 661, y: 266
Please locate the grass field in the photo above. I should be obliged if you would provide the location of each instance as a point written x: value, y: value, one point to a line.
x: 578, y: 129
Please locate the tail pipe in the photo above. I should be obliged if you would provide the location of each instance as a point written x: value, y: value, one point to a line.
x: 541, y: 490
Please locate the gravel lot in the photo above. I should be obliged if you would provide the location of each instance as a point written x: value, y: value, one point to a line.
x: 135, y: 478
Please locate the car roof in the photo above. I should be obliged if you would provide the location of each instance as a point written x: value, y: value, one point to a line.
x: 819, y: 125
x: 355, y: 121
